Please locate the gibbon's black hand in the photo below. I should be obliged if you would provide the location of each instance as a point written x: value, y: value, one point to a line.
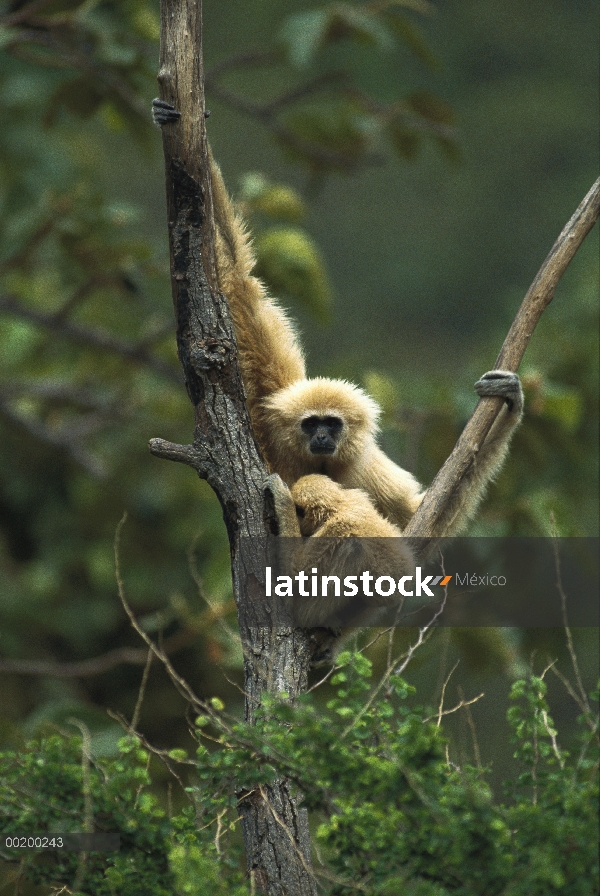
x: 502, y: 384
x: 164, y: 113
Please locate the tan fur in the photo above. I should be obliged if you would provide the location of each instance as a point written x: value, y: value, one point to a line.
x: 280, y: 397
x: 347, y: 537
x: 326, y: 510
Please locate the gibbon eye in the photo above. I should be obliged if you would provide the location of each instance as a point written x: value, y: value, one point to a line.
x: 300, y: 512
x: 333, y: 423
x: 309, y: 424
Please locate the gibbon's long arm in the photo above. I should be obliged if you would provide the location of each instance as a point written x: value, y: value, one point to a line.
x: 270, y: 357
x: 491, y: 456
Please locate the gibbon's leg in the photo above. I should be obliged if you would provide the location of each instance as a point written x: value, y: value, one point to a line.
x: 344, y: 535
x: 324, y: 640
x: 487, y: 463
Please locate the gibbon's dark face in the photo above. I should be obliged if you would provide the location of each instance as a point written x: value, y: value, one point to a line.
x: 323, y: 433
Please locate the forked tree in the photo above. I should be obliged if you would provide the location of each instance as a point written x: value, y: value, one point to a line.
x: 224, y: 451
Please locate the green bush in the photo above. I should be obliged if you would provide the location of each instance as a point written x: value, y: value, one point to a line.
x: 390, y: 812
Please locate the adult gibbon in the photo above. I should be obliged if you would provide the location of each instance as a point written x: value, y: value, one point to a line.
x: 328, y: 426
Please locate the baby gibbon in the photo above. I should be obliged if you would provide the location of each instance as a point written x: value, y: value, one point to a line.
x: 328, y: 426
x: 326, y: 510
x: 343, y: 536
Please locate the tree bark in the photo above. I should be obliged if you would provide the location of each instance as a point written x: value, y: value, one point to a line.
x: 538, y: 297
x: 223, y: 451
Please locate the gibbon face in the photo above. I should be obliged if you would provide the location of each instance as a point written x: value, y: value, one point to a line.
x: 322, y: 420
x: 323, y: 433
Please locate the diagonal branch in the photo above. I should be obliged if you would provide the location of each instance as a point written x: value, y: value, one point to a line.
x: 103, y: 341
x: 538, y: 297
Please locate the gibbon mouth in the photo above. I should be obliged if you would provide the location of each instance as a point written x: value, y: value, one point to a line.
x: 323, y: 449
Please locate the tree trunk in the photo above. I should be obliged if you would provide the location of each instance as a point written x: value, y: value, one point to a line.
x: 223, y: 451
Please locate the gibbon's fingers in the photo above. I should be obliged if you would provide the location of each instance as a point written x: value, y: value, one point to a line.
x: 164, y: 113
x: 501, y: 384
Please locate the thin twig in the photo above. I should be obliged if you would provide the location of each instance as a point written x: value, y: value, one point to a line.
x: 565, y: 620
x: 397, y: 667
x: 443, y: 693
x: 138, y: 706
x: 466, y: 705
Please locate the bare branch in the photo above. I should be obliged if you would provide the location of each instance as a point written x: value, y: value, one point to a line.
x: 133, y: 656
x: 68, y: 439
x: 24, y: 13
x: 538, y: 296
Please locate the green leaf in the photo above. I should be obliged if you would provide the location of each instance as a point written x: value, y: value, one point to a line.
x: 274, y: 200
x: 405, y: 141
x: 430, y: 106
x: 563, y: 404
x: 410, y: 35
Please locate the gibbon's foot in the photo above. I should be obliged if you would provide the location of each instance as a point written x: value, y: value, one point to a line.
x: 502, y: 384
x: 164, y: 113
x: 325, y: 641
x: 279, y: 502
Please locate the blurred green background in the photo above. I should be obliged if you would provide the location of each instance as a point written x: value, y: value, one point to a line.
x: 406, y: 167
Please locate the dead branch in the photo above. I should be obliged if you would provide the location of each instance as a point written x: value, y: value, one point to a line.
x: 133, y: 656
x: 538, y: 297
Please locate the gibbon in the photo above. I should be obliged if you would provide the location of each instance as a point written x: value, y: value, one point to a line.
x: 328, y: 426
x: 327, y: 510
x: 320, y: 436
x: 340, y: 533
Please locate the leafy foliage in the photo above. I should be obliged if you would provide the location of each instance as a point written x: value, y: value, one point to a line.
x: 392, y: 812
x: 45, y: 789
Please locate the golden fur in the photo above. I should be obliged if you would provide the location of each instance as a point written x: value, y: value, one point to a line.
x: 344, y: 536
x: 326, y: 510
x: 280, y: 397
